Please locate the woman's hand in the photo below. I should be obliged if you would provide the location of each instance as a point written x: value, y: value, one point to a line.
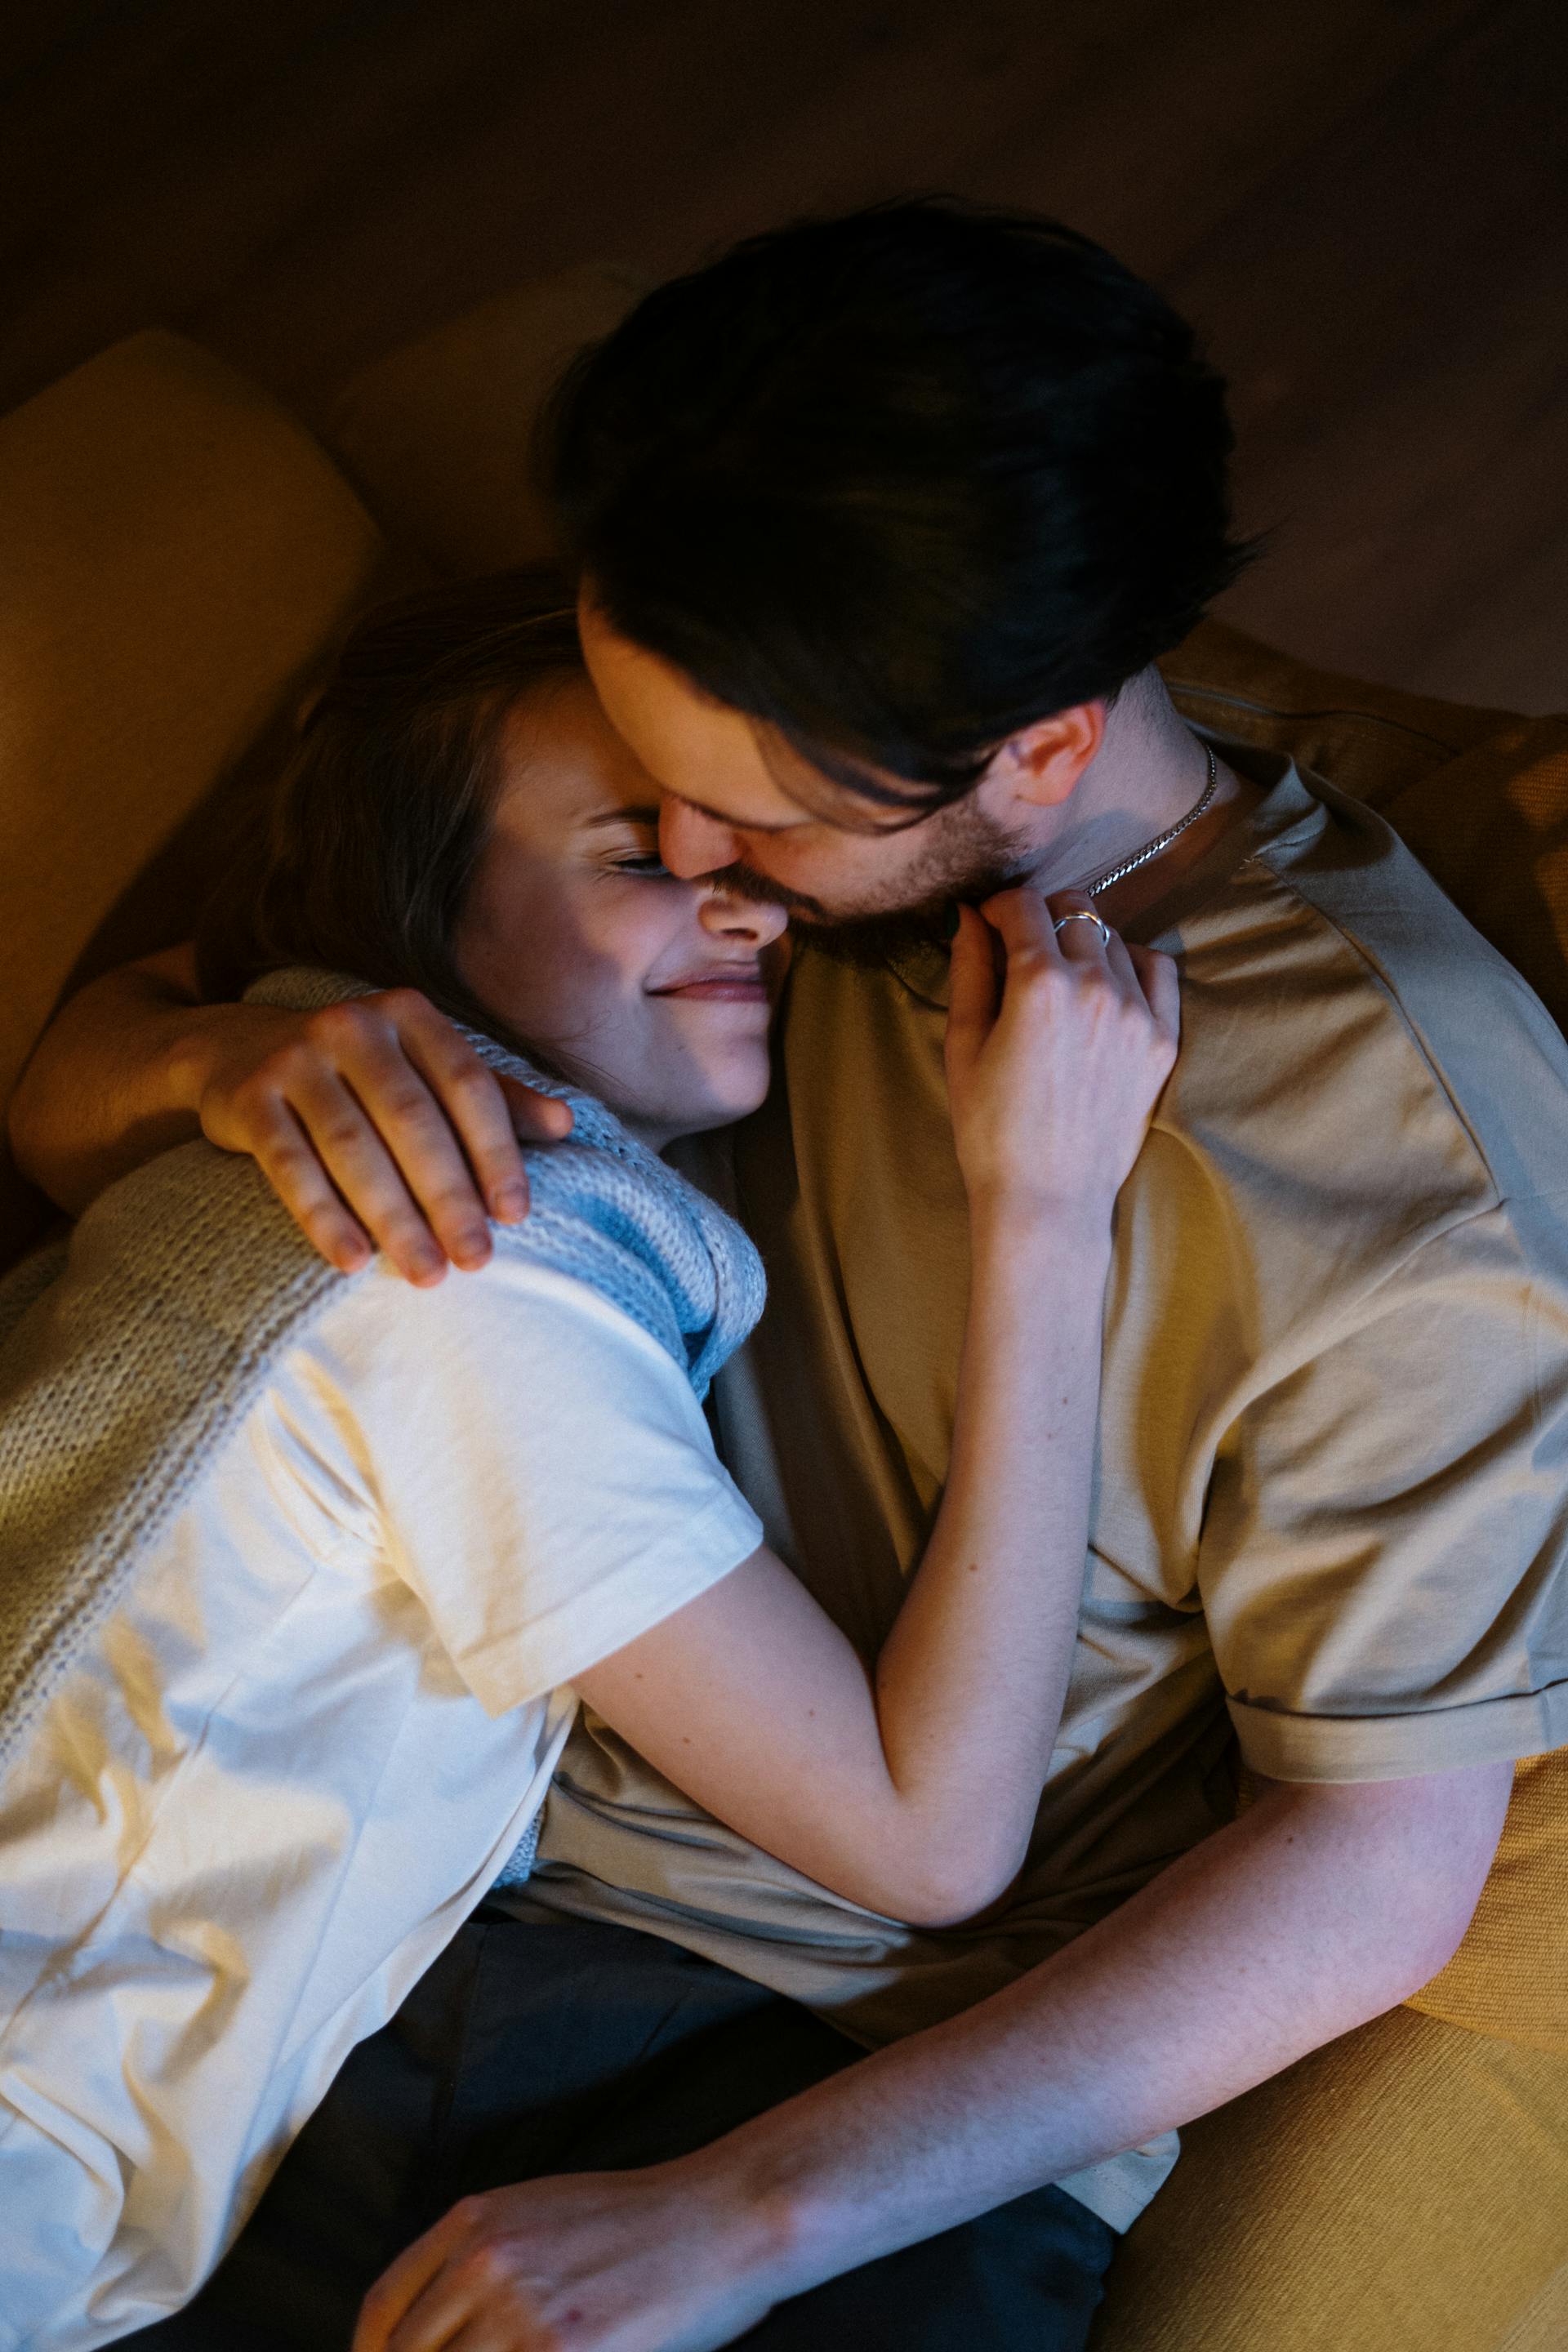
x: 376, y: 1123
x: 1058, y: 1044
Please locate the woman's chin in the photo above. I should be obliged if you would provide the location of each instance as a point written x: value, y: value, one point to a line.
x: 699, y: 1111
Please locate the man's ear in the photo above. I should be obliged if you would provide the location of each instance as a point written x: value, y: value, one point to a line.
x: 1043, y: 764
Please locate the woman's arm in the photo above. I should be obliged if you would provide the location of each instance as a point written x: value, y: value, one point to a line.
x: 374, y: 1122
x: 913, y: 1789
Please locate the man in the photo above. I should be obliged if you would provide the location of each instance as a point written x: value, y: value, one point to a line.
x: 882, y: 524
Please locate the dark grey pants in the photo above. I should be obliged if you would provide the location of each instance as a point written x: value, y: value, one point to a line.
x: 534, y: 2048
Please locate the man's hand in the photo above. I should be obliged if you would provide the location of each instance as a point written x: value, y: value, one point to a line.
x: 374, y: 1122
x: 654, y: 2261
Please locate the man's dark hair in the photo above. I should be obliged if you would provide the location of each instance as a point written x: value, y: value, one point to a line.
x: 367, y: 847
x: 900, y: 483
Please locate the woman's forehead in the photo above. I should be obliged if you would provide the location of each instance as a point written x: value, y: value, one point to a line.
x: 566, y: 766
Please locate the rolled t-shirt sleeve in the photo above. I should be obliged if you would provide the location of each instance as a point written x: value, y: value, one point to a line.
x: 1382, y: 1567
x: 543, y: 1474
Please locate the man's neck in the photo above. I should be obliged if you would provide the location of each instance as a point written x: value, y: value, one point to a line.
x: 1150, y: 773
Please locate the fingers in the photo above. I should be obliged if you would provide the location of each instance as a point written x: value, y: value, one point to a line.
x: 456, y: 2289
x: 1159, y: 981
x: 438, y: 2312
x: 1066, y: 928
x: 399, y: 2286
x: 283, y: 1152
x: 1078, y: 927
x: 454, y: 1141
x: 536, y: 1118
x: 379, y: 1127
x: 490, y: 2333
x: 442, y: 1116
x: 1022, y: 918
x: 383, y: 1183
x: 974, y: 986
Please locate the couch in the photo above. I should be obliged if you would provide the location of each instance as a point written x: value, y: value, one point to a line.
x: 178, y: 554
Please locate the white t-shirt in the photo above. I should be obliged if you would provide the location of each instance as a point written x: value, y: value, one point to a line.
x: 287, y: 1769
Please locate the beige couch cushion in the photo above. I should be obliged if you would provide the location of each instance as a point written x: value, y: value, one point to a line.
x: 1542, y: 2326
x: 437, y: 436
x: 1404, y: 2190
x: 1481, y: 796
x: 176, y: 550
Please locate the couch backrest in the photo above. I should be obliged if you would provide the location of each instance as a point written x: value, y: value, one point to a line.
x: 176, y: 550
x: 1481, y: 796
x: 437, y: 435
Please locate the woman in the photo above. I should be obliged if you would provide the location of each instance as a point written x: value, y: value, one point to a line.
x: 302, y: 1623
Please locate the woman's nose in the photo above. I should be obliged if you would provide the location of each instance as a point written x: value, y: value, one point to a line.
x: 729, y: 915
x: 692, y: 843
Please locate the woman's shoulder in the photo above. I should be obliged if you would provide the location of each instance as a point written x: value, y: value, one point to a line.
x: 458, y: 1362
x: 660, y: 1249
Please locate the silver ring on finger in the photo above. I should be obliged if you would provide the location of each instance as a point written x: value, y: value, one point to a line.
x: 1084, y: 915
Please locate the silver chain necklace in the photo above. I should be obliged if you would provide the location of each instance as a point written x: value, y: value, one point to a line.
x: 1152, y: 849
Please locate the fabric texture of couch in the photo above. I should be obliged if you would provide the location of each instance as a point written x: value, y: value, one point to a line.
x: 179, y: 559
x: 175, y: 550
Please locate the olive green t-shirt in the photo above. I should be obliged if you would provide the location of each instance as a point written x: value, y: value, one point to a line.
x: 1330, y: 1503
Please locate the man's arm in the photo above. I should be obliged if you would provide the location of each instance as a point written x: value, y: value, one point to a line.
x: 108, y: 1083
x: 374, y: 1122
x: 1320, y: 1909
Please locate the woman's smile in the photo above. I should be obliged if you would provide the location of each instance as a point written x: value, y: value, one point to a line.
x: 721, y: 983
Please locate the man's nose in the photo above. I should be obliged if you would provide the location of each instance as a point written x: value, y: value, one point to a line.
x: 692, y: 843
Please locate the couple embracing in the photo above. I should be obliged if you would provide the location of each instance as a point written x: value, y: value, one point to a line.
x: 467, y: 1812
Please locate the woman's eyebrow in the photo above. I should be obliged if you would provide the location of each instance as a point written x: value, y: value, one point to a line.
x: 648, y: 815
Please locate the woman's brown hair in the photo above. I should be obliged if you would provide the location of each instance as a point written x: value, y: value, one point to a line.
x: 371, y: 836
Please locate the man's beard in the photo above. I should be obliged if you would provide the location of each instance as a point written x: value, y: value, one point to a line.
x: 967, y: 857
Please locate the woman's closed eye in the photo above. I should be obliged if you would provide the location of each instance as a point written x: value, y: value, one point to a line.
x: 646, y: 863
x: 625, y: 841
